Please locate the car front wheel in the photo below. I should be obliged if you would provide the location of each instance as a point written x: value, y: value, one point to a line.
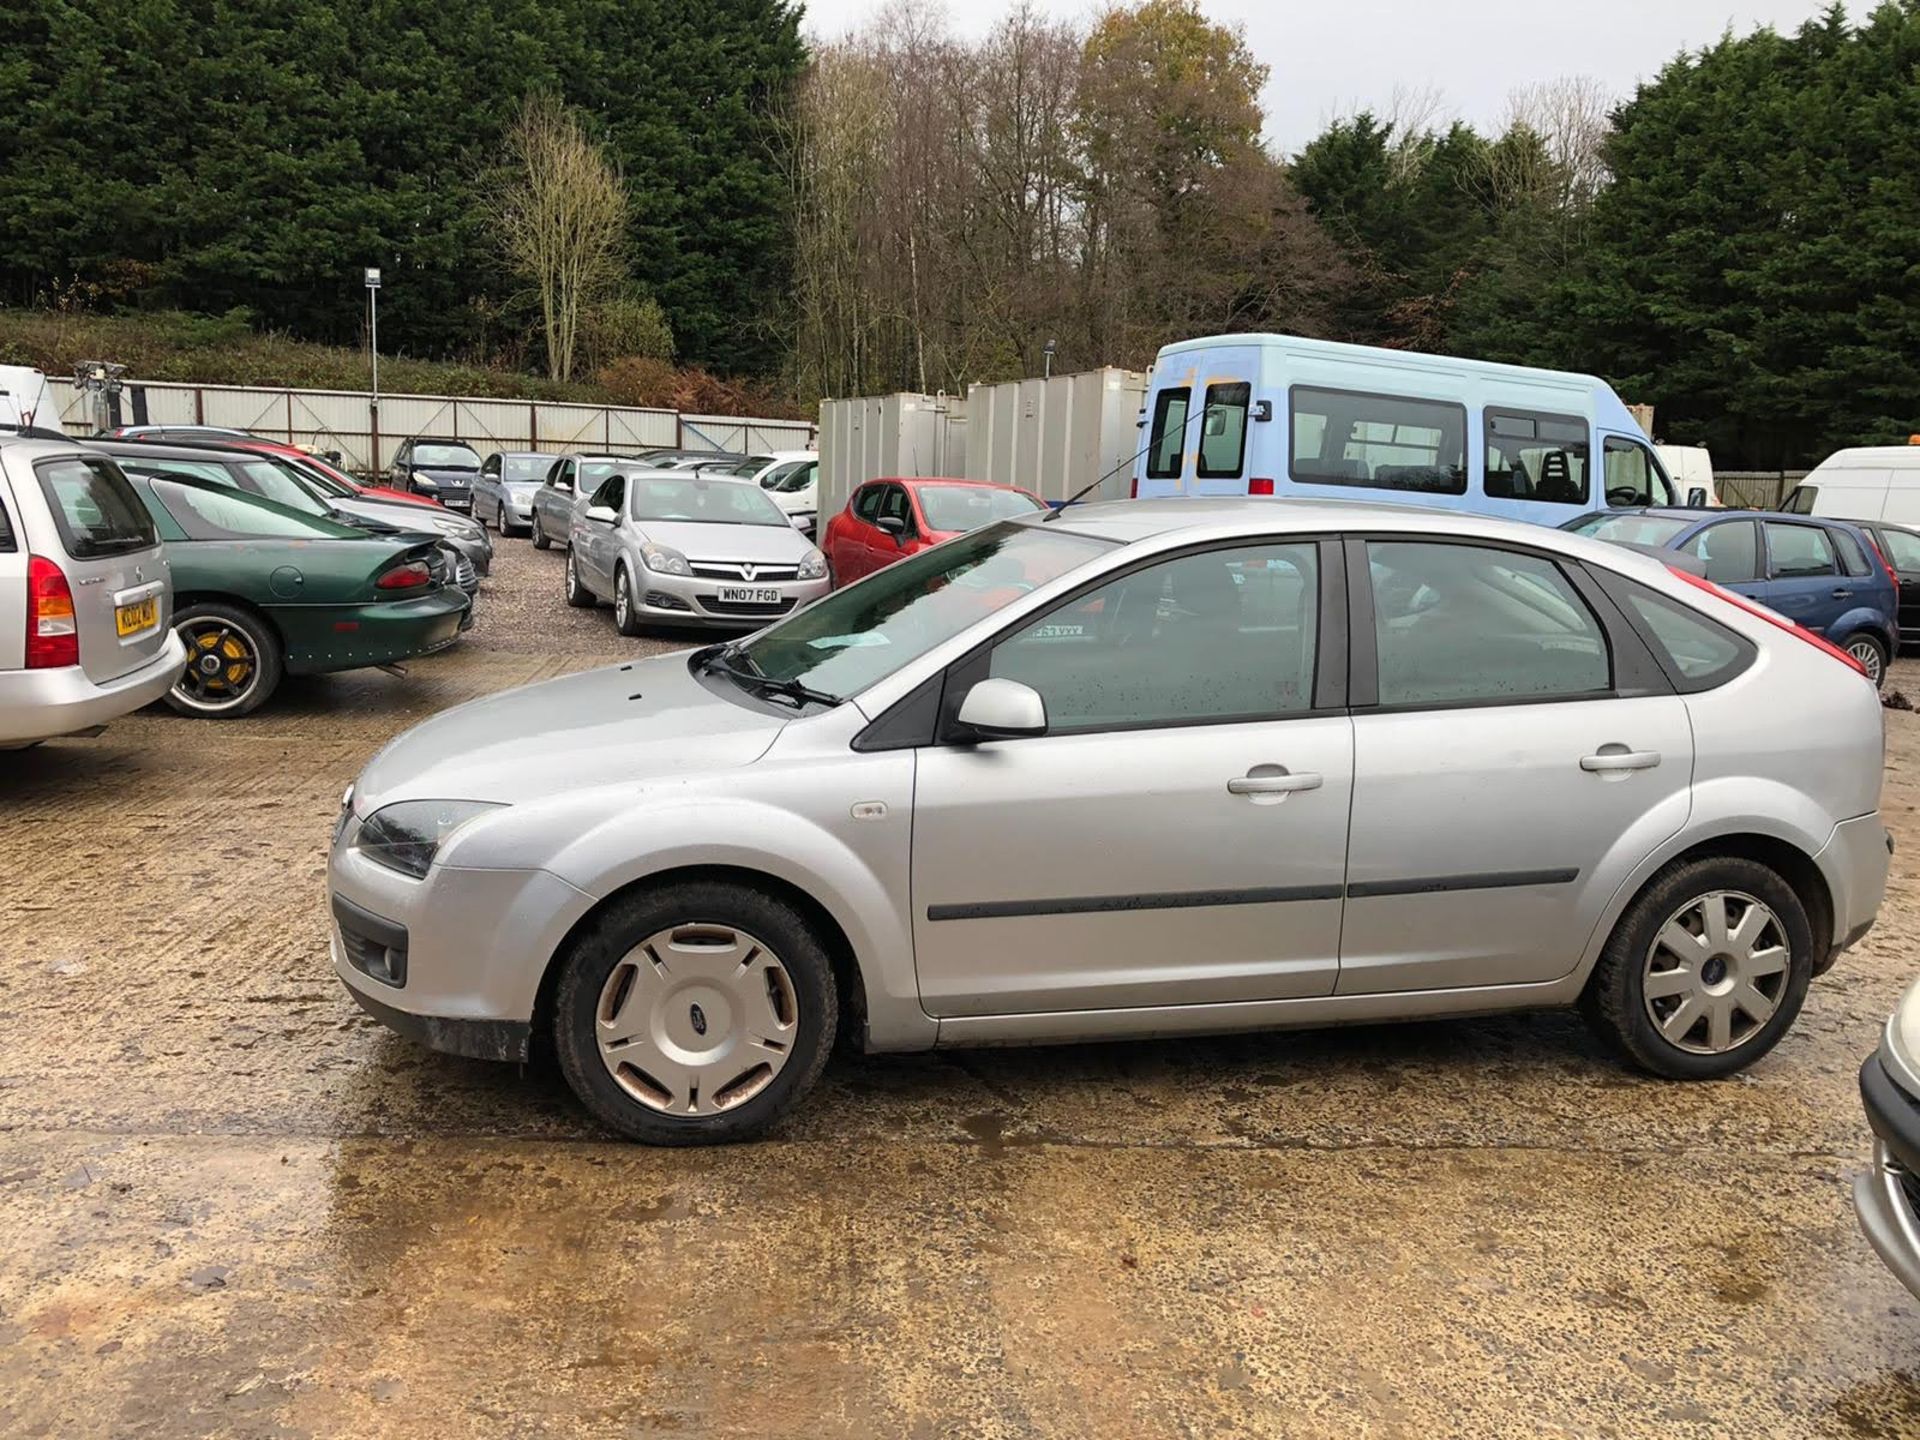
x: 540, y: 541
x: 626, y: 619
x: 578, y: 595
x: 1706, y: 970
x: 696, y: 1014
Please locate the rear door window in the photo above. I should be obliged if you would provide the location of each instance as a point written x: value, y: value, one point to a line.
x: 1223, y: 431
x: 1467, y: 624
x: 94, y: 508
x: 1731, y: 552
x: 1798, y: 551
x: 1852, y: 557
x: 1168, y: 434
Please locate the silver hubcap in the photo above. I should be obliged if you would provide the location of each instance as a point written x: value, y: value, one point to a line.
x: 621, y: 600
x: 1868, y: 655
x: 1716, y: 972
x: 697, y: 1019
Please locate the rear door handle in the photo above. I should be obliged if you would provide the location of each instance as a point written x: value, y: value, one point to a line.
x: 1273, y: 784
x: 1609, y: 762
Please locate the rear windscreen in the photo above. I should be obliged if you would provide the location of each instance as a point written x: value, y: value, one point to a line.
x: 94, y: 508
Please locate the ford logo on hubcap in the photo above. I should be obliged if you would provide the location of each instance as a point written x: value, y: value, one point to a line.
x: 699, y: 1019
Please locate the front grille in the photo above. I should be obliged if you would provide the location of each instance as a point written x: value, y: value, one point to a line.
x: 718, y: 606
x: 761, y: 574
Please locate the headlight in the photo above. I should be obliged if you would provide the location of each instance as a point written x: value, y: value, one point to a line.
x: 1903, y: 1031
x: 425, y: 482
x: 406, y: 836
x: 814, y: 566
x: 451, y: 527
x: 664, y: 560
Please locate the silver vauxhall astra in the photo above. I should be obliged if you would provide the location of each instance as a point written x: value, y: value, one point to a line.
x: 1137, y: 769
x: 678, y: 548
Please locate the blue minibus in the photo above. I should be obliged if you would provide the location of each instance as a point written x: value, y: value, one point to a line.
x: 1280, y: 415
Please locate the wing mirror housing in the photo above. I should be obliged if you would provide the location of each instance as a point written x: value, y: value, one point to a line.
x: 1697, y: 498
x: 894, y: 526
x: 602, y: 514
x: 1002, y: 710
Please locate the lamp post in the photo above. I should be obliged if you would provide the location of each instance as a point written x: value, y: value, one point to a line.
x: 1052, y: 345
x: 373, y: 326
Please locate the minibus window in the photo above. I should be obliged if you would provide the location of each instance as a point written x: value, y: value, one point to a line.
x: 1223, y: 431
x: 1533, y: 456
x: 1167, y: 438
x: 1382, y: 442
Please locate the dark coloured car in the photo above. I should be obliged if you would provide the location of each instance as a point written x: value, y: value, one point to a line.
x: 1824, y: 575
x: 1899, y: 546
x: 439, y: 469
x: 261, y: 590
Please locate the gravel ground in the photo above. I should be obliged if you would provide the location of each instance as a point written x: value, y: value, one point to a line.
x: 231, y: 1205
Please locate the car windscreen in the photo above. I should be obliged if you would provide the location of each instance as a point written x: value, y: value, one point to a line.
x: 94, y: 508
x: 525, y: 467
x: 209, y: 514
x: 793, y: 480
x: 845, y: 641
x: 446, y: 457
x: 968, y: 507
x: 1652, y: 530
x: 700, y: 501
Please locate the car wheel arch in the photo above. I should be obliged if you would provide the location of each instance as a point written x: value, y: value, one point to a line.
x: 849, y: 979
x: 185, y: 599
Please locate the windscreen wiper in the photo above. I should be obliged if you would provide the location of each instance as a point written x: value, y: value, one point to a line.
x: 721, y: 658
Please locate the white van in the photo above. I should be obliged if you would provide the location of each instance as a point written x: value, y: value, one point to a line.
x: 1690, y: 467
x: 1872, y: 482
x: 26, y: 400
x: 1279, y: 415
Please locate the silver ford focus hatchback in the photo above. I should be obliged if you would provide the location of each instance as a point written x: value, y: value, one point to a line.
x: 1136, y: 769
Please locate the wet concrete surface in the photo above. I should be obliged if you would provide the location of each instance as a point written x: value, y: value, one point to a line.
x: 231, y: 1205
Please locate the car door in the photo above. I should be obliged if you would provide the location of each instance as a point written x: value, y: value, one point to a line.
x: 487, y: 485
x: 1803, y: 579
x: 1178, y: 834
x: 852, y: 553
x: 1516, y: 754
x: 598, y: 541
x: 883, y: 548
x: 556, y: 498
x: 1902, y: 549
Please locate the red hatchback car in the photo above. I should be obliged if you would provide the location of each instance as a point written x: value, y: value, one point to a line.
x: 888, y: 519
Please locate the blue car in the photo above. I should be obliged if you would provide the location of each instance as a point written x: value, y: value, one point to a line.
x: 1826, y: 576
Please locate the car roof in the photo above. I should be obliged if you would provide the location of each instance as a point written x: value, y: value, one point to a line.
x: 180, y: 449
x: 438, y: 440
x: 525, y: 454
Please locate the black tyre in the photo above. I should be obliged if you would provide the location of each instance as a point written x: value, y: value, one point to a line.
x: 1871, y: 652
x: 234, y: 662
x: 1706, y: 970
x: 540, y: 541
x: 578, y: 595
x: 696, y: 1014
x: 626, y: 614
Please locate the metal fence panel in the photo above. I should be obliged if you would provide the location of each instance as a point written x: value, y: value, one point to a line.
x: 1756, y: 489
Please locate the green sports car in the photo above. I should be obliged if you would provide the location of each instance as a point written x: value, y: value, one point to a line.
x: 261, y: 590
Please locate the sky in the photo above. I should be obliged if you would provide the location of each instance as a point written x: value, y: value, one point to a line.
x: 1333, y: 57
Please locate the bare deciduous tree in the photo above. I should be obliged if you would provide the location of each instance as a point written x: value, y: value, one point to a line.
x: 1570, y: 115
x: 560, y: 211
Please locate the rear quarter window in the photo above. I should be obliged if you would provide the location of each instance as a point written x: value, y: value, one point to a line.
x: 1696, y: 652
x: 93, y: 506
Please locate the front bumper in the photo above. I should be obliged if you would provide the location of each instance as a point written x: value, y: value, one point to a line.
x: 1887, y: 1197
x: 43, y: 704
x: 474, y: 945
x: 695, y: 600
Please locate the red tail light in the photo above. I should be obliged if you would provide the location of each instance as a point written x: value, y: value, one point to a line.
x: 410, y: 576
x: 1760, y: 611
x: 1259, y: 487
x: 1133, y: 488
x: 1892, y: 574
x: 53, y: 639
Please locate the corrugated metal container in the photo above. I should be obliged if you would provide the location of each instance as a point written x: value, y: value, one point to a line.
x: 1055, y: 437
x: 905, y: 434
x: 346, y: 421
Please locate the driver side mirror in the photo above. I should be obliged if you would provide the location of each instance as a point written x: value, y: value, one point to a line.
x: 1002, y: 710
x: 894, y: 526
x: 1697, y: 498
x: 602, y: 514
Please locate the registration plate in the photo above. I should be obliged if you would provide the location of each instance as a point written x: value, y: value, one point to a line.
x: 749, y: 595
x: 140, y: 615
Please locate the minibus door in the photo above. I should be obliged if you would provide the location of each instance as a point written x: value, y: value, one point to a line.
x: 1227, y: 451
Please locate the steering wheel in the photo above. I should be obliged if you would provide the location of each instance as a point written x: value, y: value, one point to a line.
x: 1624, y: 495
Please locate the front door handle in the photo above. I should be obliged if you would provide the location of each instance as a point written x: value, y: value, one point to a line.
x: 1612, y: 761
x: 1273, y: 784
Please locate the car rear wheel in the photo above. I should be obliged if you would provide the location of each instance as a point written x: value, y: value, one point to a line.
x: 626, y: 617
x: 1706, y: 970
x: 233, y: 662
x: 540, y: 541
x: 695, y: 1014
x: 1871, y: 654
x: 578, y: 595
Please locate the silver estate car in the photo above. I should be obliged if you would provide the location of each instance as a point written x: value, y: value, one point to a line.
x: 503, y: 491
x: 1147, y: 768
x: 569, y: 482
x: 673, y: 547
x: 85, y: 594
